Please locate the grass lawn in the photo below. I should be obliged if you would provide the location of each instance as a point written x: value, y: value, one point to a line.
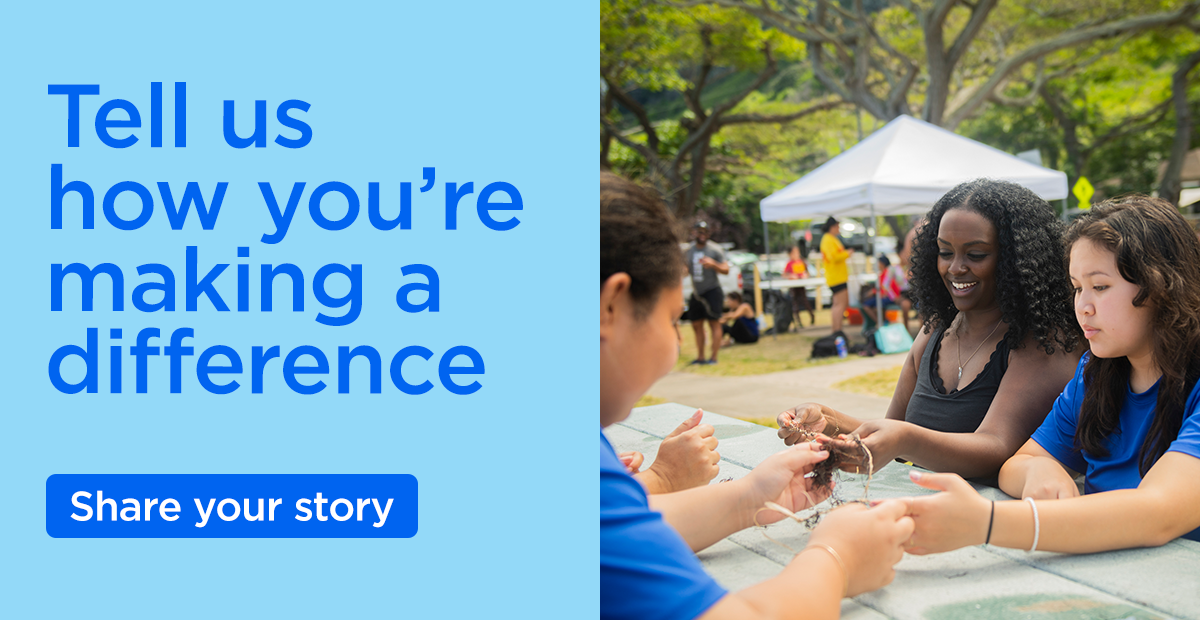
x: 777, y: 353
x: 878, y: 383
x: 649, y: 401
x: 769, y: 354
x: 771, y: 422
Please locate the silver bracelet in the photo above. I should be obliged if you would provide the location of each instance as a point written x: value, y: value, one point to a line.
x: 1037, y: 526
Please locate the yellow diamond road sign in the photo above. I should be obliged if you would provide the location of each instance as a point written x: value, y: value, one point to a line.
x: 1083, y: 191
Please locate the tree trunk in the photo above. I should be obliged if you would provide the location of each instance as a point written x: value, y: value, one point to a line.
x: 939, y: 70
x: 605, y: 136
x: 898, y: 228
x: 1171, y: 185
x: 938, y: 93
x: 696, y: 179
x: 1075, y: 155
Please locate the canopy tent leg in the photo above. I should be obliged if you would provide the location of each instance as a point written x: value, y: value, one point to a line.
x: 758, y: 295
x: 871, y: 244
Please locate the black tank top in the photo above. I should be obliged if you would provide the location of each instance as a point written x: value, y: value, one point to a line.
x: 960, y: 411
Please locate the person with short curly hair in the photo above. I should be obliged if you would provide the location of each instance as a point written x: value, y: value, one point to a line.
x: 999, y: 339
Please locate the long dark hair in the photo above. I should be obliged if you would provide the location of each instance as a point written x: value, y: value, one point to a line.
x: 1032, y: 287
x: 637, y: 237
x: 1157, y: 250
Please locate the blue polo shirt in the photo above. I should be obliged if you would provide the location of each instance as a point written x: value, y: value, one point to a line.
x: 647, y: 571
x: 1118, y: 470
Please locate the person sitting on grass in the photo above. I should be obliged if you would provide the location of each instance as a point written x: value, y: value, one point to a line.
x: 999, y: 341
x: 648, y: 566
x: 738, y: 322
x: 1129, y: 419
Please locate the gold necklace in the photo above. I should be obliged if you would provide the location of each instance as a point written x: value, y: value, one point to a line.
x: 958, y: 345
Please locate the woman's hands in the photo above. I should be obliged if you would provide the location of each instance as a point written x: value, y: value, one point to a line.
x: 957, y: 517
x: 794, y: 422
x: 1033, y: 472
x: 1045, y: 477
x: 780, y: 479
x: 687, y: 458
x: 869, y: 541
x: 886, y: 439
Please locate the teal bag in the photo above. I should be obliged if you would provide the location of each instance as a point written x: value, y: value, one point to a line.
x: 892, y: 338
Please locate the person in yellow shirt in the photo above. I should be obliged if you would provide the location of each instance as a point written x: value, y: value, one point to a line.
x: 835, y: 254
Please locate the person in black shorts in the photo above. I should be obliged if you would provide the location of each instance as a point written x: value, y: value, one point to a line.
x: 704, y: 261
x: 833, y: 259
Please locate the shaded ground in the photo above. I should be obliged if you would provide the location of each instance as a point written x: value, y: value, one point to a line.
x: 772, y: 353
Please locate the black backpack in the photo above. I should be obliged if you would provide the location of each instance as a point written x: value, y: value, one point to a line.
x: 779, y: 306
x: 827, y: 346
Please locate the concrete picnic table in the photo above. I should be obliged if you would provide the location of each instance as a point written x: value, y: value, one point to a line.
x: 974, y: 582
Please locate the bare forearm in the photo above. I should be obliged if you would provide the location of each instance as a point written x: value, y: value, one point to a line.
x: 966, y: 454
x: 706, y: 514
x: 813, y: 573
x: 652, y: 482
x: 1092, y: 523
x: 1014, y: 473
x: 837, y: 423
x: 1037, y: 476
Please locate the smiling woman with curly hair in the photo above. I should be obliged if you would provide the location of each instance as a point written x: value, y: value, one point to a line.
x: 999, y: 342
x: 1032, y: 288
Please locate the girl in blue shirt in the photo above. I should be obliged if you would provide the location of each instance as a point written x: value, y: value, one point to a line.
x: 648, y: 567
x: 1128, y: 420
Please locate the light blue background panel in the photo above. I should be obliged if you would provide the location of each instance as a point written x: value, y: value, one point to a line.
x: 483, y: 92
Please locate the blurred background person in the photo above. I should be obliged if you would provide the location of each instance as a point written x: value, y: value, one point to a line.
x: 834, y: 256
x: 797, y: 269
x: 704, y: 261
x: 738, y: 322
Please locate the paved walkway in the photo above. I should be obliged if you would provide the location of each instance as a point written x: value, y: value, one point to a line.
x: 766, y: 395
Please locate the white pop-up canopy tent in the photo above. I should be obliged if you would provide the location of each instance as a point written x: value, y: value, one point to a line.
x: 901, y: 169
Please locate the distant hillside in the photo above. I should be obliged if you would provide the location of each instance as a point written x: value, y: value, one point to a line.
x: 722, y: 86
